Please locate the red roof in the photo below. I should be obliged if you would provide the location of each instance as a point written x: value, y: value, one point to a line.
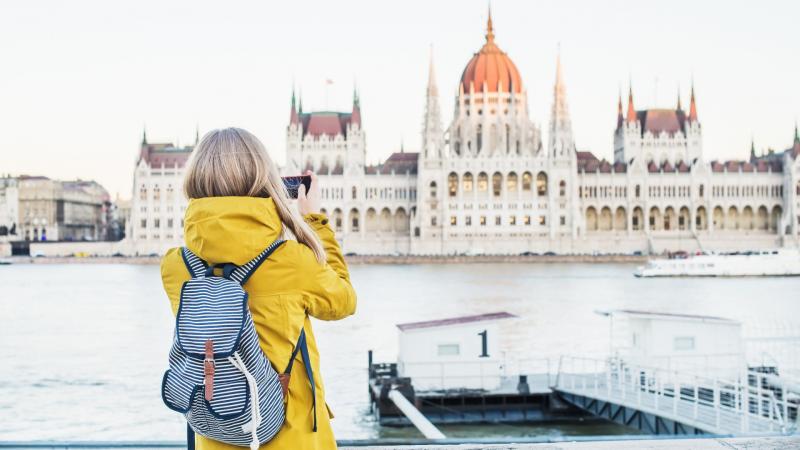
x: 167, y: 155
x: 325, y: 123
x: 455, y: 321
x: 398, y: 162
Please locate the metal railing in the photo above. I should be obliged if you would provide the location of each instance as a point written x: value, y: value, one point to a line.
x: 483, y: 375
x: 755, y: 403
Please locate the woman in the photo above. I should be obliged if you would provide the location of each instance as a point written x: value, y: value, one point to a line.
x: 238, y: 206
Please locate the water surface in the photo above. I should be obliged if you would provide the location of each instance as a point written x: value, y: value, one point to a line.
x: 84, y: 346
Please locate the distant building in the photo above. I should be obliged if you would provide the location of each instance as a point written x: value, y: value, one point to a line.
x: 493, y: 182
x: 158, y: 204
x: 9, y: 209
x: 53, y: 210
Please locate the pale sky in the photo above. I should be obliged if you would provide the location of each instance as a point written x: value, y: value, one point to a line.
x: 79, y: 79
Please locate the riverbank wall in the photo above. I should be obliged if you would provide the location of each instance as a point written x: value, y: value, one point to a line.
x: 364, y: 259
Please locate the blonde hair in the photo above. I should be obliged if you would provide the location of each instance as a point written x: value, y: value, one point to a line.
x: 233, y: 163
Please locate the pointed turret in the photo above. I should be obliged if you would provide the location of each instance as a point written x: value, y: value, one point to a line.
x: 355, y: 118
x: 561, y: 139
x: 144, y: 136
x: 432, y: 124
x: 796, y: 134
x: 300, y: 103
x: 752, y: 151
x: 196, y: 134
x: 631, y: 117
x: 489, y: 28
x: 620, y: 119
x: 679, y: 99
x: 692, y: 107
x: 294, y: 119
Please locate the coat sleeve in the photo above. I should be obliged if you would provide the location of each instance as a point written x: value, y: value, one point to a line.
x: 329, y: 294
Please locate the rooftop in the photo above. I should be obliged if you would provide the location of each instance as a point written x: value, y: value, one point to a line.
x: 455, y: 321
x: 666, y: 315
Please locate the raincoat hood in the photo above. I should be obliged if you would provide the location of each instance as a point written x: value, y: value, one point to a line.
x: 230, y: 229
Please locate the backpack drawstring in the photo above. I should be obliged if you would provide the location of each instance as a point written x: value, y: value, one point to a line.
x: 255, y: 412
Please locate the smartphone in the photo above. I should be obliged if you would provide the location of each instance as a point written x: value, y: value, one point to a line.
x: 293, y: 183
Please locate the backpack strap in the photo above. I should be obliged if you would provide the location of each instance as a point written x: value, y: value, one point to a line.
x: 302, y: 347
x: 195, y: 265
x: 242, y: 273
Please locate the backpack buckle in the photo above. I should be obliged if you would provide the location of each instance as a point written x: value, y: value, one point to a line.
x: 208, y: 370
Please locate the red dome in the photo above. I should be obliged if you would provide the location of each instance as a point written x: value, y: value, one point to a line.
x: 493, y: 66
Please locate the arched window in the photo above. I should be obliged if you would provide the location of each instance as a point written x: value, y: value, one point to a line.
x: 467, y: 182
x: 497, y: 184
x: 562, y: 188
x: 354, y: 192
x: 483, y: 182
x: 511, y: 182
x: 433, y: 189
x: 480, y: 138
x: 452, y: 184
x: 527, y: 180
x: 508, y: 139
x: 541, y: 183
x: 354, y: 222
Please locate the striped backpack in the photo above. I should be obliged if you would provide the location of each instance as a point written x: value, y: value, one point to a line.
x: 218, y: 376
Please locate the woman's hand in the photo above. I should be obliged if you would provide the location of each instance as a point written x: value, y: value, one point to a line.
x: 309, y: 202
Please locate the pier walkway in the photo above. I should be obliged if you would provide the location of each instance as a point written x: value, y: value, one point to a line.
x: 658, y: 401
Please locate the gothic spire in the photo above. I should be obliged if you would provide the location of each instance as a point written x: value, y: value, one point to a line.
x: 432, y: 89
x: 796, y: 134
x: 293, y: 117
x: 356, y: 115
x: 631, y: 117
x: 489, y: 28
x: 620, y: 119
x: 196, y: 134
x: 144, y: 135
x: 561, y: 138
x: 432, y: 132
x: 692, y: 107
x: 679, y: 98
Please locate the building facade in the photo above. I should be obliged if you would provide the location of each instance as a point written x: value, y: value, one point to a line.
x: 492, y: 182
x: 54, y: 210
x: 154, y: 223
x: 9, y: 209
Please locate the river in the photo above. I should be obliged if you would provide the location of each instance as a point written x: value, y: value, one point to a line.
x: 84, y: 346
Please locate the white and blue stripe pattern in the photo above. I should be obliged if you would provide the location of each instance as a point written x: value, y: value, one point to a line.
x: 215, y: 308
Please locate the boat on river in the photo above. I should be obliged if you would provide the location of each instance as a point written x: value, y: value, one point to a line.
x: 768, y: 263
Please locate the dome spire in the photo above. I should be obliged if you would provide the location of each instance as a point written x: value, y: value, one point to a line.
x: 489, y: 28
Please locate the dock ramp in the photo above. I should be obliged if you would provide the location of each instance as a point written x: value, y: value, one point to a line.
x: 658, y: 401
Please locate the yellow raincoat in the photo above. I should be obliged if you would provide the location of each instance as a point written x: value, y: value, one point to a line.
x: 288, y: 288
